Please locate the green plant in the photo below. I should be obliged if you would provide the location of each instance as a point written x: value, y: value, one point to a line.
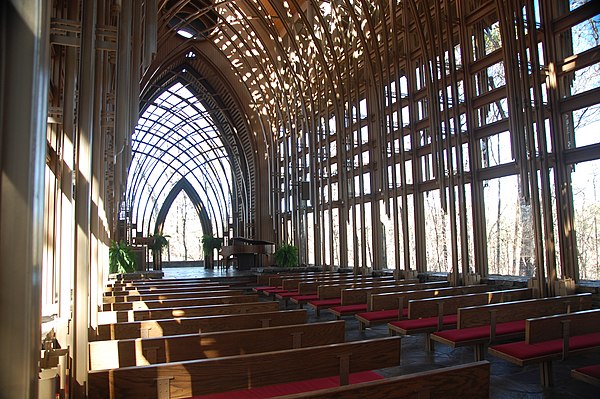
x: 286, y: 255
x: 210, y: 243
x: 159, y: 242
x: 120, y: 258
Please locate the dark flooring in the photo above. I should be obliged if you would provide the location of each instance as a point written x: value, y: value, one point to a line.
x: 508, y: 381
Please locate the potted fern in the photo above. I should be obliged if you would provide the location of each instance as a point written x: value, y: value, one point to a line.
x: 120, y: 258
x: 157, y: 244
x: 209, y: 244
x: 286, y: 255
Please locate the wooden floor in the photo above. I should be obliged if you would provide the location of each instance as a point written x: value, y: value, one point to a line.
x: 507, y: 382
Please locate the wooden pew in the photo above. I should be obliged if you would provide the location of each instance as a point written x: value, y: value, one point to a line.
x: 120, y: 288
x: 552, y: 338
x: 434, y: 314
x: 179, y: 295
x: 191, y: 325
x: 330, y: 294
x: 308, y: 291
x: 240, y: 373
x: 588, y: 374
x: 145, y: 351
x: 387, y: 307
x: 278, y: 285
x: 354, y: 300
x: 467, y: 381
x: 480, y: 325
x: 156, y: 291
x: 210, y: 300
x: 122, y: 316
x: 263, y: 281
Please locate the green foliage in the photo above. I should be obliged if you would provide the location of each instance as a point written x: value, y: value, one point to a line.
x: 210, y: 243
x: 286, y: 255
x: 121, y: 258
x: 160, y: 241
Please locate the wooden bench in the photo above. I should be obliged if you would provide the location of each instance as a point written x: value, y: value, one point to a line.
x: 387, y: 307
x: 122, y: 316
x: 179, y: 295
x: 244, y: 372
x: 588, y: 374
x: 552, y: 338
x: 354, y: 300
x: 120, y: 288
x: 480, y: 325
x: 210, y: 300
x: 156, y: 291
x: 145, y: 351
x: 467, y: 381
x: 265, y: 281
x: 192, y: 325
x: 277, y: 284
x: 434, y: 314
x: 329, y: 295
x: 308, y: 291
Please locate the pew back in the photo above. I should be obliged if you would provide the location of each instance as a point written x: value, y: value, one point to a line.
x: 553, y: 327
x: 210, y: 300
x: 431, y: 307
x: 474, y: 316
x: 396, y: 300
x: 352, y: 296
x: 123, y: 316
x: 145, y: 351
x: 191, y: 325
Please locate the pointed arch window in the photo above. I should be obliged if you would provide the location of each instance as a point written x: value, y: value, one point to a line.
x: 178, y: 139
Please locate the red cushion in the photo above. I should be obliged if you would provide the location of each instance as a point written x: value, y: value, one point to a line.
x: 592, y: 371
x: 289, y: 388
x: 522, y: 350
x: 274, y: 290
x: 379, y: 315
x: 481, y: 332
x: 350, y: 308
x: 301, y: 298
x: 427, y: 322
x: 287, y: 294
x: 325, y: 302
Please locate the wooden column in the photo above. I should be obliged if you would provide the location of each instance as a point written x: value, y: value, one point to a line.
x: 83, y: 168
x: 23, y: 110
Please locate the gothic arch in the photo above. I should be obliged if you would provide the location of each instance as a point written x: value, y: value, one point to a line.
x: 184, y: 185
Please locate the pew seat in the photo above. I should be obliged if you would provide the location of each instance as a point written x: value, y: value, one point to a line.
x: 424, y: 325
x: 588, y: 374
x: 300, y: 300
x: 346, y: 310
x: 523, y: 353
x: 319, y: 304
x: 480, y: 334
x: 551, y: 338
x: 367, y: 319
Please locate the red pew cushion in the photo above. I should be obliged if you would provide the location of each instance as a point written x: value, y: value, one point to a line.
x: 301, y: 298
x: 287, y: 294
x: 426, y: 322
x: 592, y: 371
x: 383, y: 314
x: 350, y: 308
x: 481, y: 332
x: 522, y: 350
x: 289, y: 388
x: 325, y: 302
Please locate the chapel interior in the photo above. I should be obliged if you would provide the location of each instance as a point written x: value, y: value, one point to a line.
x: 439, y: 139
